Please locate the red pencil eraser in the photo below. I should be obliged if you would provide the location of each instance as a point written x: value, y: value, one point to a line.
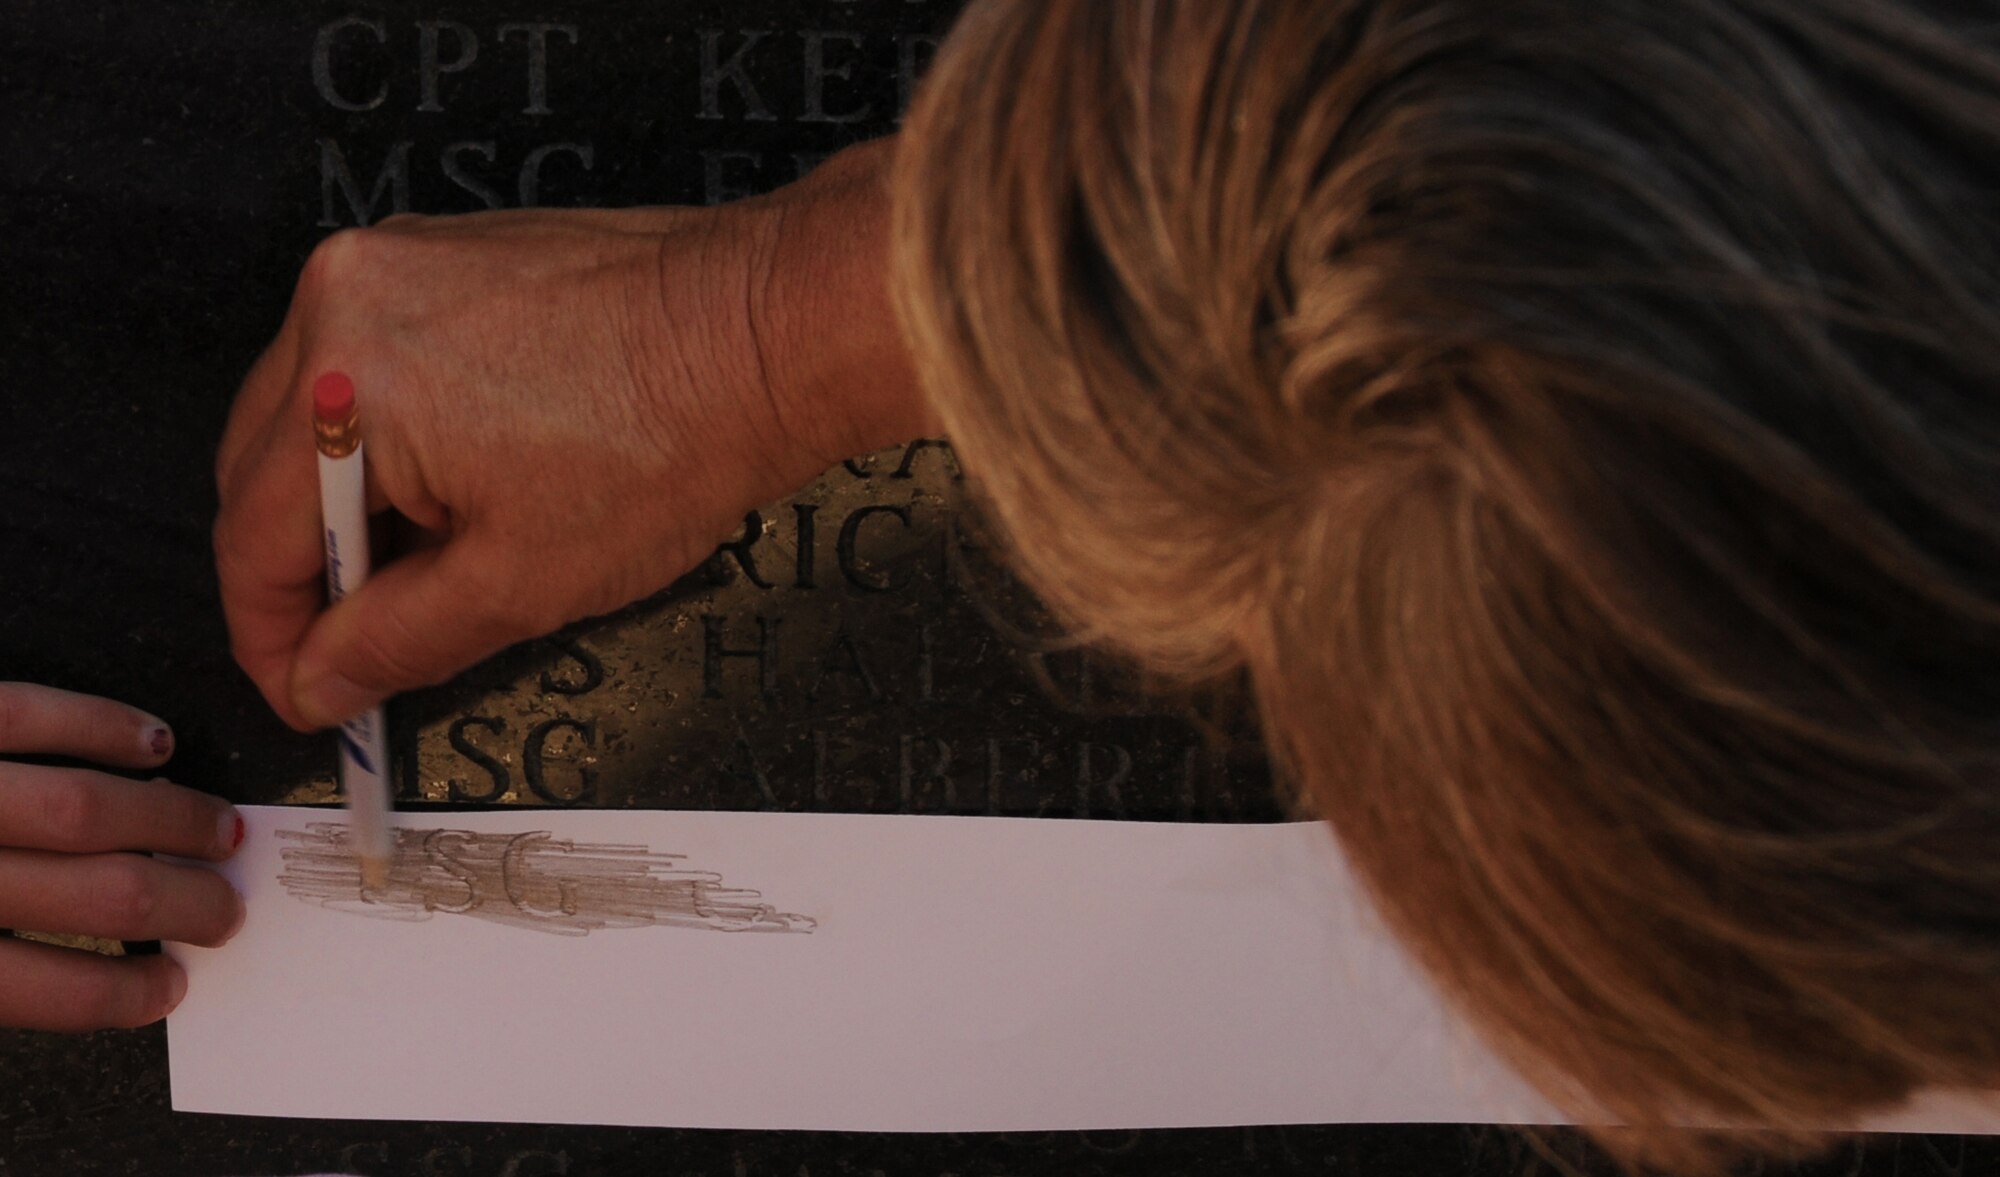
x: 333, y: 397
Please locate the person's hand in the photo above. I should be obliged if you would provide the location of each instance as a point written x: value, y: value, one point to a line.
x: 71, y: 863
x: 572, y: 408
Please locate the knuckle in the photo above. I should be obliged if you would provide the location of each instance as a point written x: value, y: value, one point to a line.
x: 335, y: 261
x: 73, y: 812
x: 123, y: 898
x: 85, y: 723
x: 124, y: 995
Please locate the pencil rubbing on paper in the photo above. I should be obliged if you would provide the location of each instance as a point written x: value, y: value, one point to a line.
x: 527, y: 880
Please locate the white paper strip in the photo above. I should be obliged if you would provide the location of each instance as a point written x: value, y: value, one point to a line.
x: 814, y: 971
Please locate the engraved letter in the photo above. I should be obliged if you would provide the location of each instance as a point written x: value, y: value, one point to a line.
x: 457, y: 174
x: 394, y: 179
x: 531, y: 168
x: 715, y: 71
x: 577, y: 652
x: 495, y: 771
x: 430, y: 69
x: 1086, y: 777
x: 939, y: 773
x: 846, y: 547
x: 808, y: 545
x: 996, y: 774
x: 907, y: 467
x: 843, y: 657
x: 742, y: 752
x: 323, y: 62
x: 753, y: 531
x: 714, y: 653
x: 535, y: 752
x: 817, y: 71
x: 716, y: 185
x: 538, y: 59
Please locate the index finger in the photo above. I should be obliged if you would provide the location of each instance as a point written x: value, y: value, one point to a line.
x: 269, y: 559
x: 38, y: 720
x: 76, y: 811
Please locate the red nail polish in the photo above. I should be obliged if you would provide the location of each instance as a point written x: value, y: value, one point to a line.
x: 236, y: 839
x: 159, y: 741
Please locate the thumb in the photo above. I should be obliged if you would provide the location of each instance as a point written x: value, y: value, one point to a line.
x: 417, y: 621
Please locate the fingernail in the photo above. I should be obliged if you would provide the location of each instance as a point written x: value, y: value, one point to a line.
x: 177, y: 986
x: 230, y: 830
x: 158, y: 739
x: 242, y: 913
x: 329, y: 698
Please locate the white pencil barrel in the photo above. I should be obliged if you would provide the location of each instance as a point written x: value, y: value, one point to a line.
x: 364, y: 763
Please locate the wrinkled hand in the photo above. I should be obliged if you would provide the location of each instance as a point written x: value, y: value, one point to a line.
x: 70, y: 863
x: 572, y: 407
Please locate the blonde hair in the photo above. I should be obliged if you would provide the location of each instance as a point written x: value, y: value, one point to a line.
x: 1581, y: 421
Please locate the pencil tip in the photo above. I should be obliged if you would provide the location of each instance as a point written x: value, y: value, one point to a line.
x: 374, y: 873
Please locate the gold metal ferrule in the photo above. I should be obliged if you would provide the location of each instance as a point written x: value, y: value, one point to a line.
x: 337, y: 439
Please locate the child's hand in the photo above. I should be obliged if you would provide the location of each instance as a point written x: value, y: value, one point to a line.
x: 67, y: 863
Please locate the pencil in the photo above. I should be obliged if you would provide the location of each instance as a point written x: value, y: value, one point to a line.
x: 364, y: 776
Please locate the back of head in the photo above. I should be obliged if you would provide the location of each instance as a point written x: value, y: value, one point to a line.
x: 1579, y: 417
